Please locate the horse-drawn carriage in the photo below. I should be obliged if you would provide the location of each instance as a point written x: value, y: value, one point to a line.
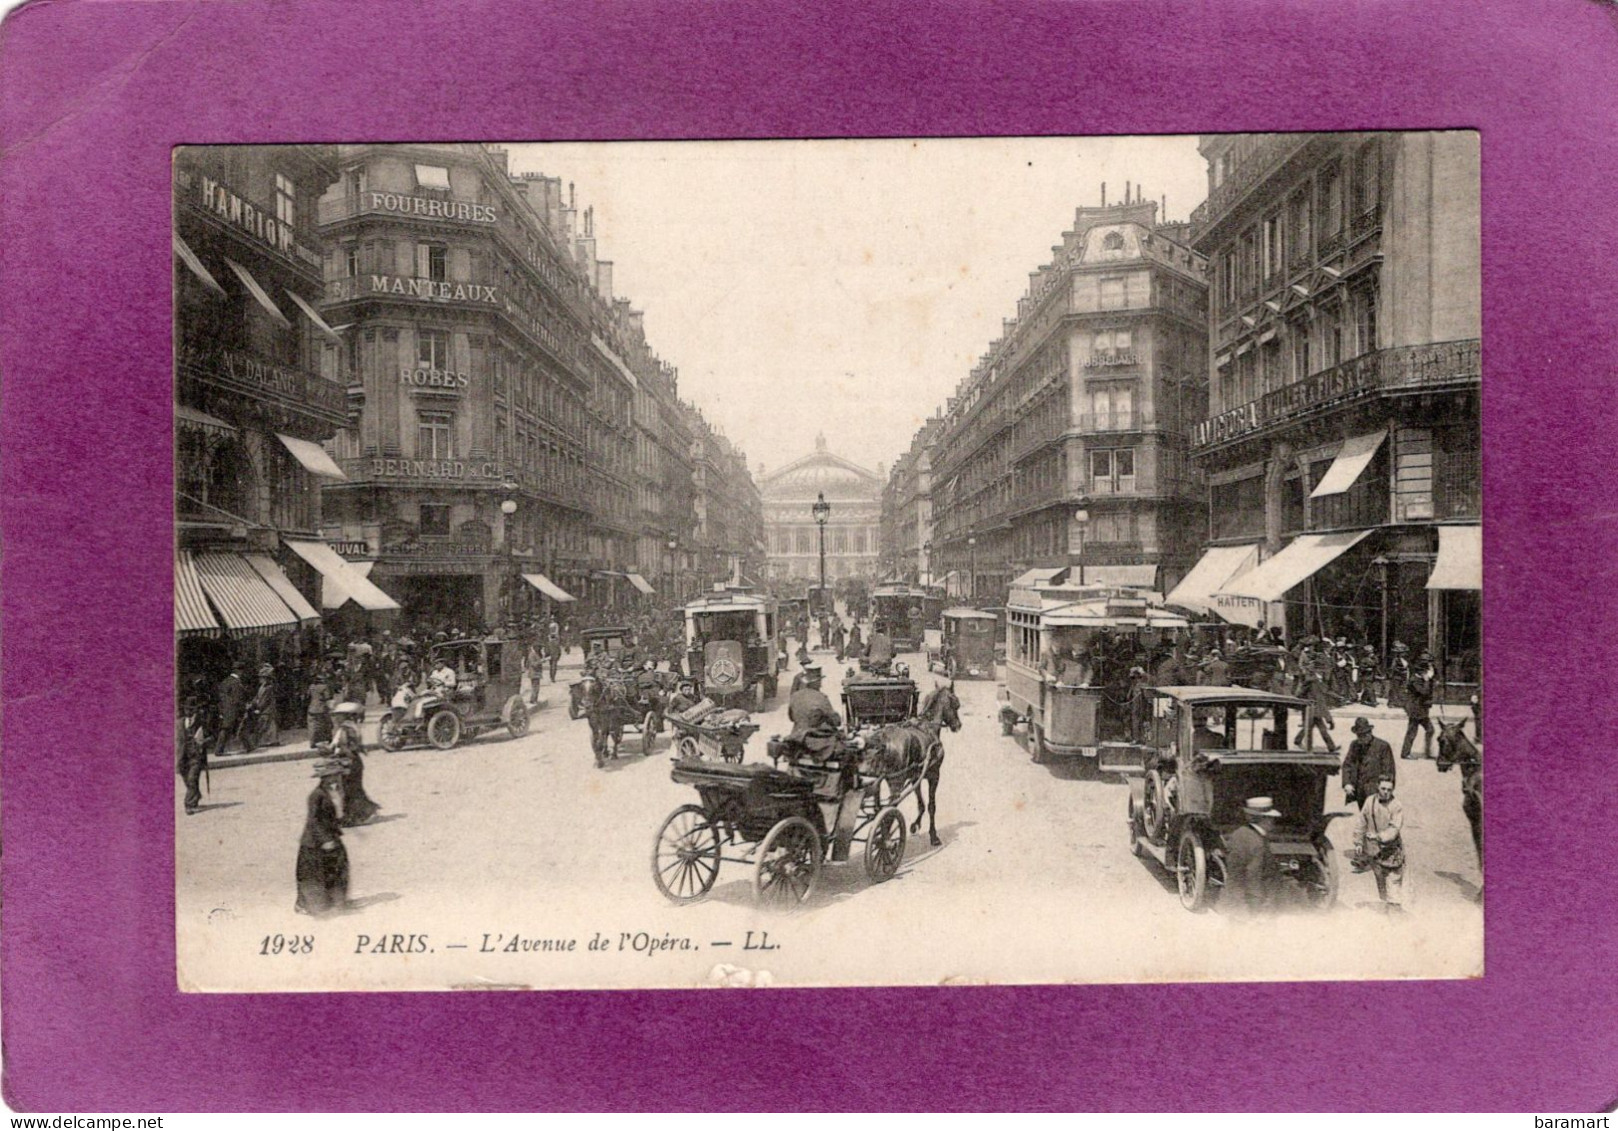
x: 873, y: 698
x: 1211, y: 748
x: 733, y: 650
x: 808, y: 808
x: 614, y: 696
x: 486, y: 696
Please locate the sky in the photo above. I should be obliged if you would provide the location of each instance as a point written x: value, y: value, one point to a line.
x: 843, y: 287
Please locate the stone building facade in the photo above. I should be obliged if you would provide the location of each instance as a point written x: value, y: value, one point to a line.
x: 853, y: 529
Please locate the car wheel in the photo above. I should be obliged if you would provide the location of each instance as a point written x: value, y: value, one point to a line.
x: 444, y: 729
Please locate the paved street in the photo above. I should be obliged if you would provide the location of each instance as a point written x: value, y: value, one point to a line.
x: 525, y: 839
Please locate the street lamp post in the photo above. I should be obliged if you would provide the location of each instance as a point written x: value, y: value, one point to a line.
x: 508, y: 507
x: 972, y: 579
x: 822, y: 511
x: 927, y: 562
x: 674, y: 546
x: 1081, y: 516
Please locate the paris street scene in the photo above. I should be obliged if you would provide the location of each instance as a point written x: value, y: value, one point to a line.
x: 821, y: 563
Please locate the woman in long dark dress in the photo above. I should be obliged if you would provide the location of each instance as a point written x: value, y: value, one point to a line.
x: 347, y: 746
x: 322, y: 873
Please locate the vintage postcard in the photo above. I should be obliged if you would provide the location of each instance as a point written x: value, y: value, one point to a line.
x: 828, y: 563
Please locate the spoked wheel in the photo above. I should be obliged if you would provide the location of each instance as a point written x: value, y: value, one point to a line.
x: 389, y: 733
x: 648, y: 733
x: 788, y: 864
x: 444, y: 729
x: 687, y: 747
x: 1137, y: 829
x: 1191, y: 871
x: 1158, y: 804
x: 685, y: 856
x: 885, y: 845
x: 516, y: 717
x: 1320, y: 888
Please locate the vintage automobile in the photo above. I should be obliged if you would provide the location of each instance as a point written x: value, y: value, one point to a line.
x: 905, y: 612
x: 487, y: 696
x: 1069, y: 706
x: 966, y: 644
x: 1211, y: 748
x: 733, y: 648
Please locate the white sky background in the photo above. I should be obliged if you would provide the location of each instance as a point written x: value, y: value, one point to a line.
x: 840, y: 286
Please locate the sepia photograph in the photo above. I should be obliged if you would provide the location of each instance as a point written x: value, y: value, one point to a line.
x: 949, y: 561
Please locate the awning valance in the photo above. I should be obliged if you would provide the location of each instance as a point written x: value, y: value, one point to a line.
x: 1136, y: 576
x: 314, y: 317
x: 640, y: 583
x: 1460, y: 558
x: 259, y: 293
x: 1213, y: 571
x: 189, y: 258
x: 265, y: 567
x: 343, y: 583
x: 1352, y: 459
x: 192, y: 616
x: 314, y: 458
x: 195, y: 420
x: 548, y: 587
x: 245, y: 601
x: 1303, y: 557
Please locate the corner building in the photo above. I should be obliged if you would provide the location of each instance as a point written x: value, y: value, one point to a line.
x: 485, y: 359
x: 1066, y: 445
x: 1342, y: 444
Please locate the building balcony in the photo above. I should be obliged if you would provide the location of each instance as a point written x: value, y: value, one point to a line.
x: 1264, y: 156
x: 295, y: 393
x: 1122, y: 420
x: 1402, y: 369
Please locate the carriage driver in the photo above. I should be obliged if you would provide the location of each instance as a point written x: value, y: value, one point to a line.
x: 815, y: 722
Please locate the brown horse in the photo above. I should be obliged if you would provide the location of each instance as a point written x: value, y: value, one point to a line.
x: 913, y: 751
x: 1455, y: 749
x: 605, y: 703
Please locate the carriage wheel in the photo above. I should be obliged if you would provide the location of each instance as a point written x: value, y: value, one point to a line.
x: 885, y: 845
x: 685, y: 855
x: 516, y: 717
x: 1320, y: 890
x: 389, y: 733
x: 444, y: 729
x: 648, y: 734
x: 1191, y: 871
x: 687, y: 748
x: 788, y: 864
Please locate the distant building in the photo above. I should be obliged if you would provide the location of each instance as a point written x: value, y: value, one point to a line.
x: 1342, y: 441
x: 853, y: 530
x: 907, y: 511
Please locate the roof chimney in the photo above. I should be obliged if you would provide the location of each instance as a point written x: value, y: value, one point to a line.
x: 1103, y: 194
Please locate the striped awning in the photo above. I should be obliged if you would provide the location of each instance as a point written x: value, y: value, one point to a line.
x: 548, y: 587
x: 260, y: 295
x: 191, y: 419
x: 189, y: 258
x: 245, y: 601
x: 265, y: 567
x: 312, y: 456
x: 192, y: 616
x: 343, y: 583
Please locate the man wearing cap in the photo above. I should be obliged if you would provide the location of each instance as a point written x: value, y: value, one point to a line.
x: 1368, y: 759
x: 1379, y: 843
x: 1249, y: 867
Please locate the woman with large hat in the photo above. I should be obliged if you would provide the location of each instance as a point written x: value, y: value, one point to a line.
x: 322, y: 870
x: 347, y: 746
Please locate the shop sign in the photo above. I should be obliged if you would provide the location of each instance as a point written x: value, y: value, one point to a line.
x: 432, y: 209
x: 351, y: 549
x: 433, y: 469
x: 434, y: 379
x: 238, y: 212
x: 432, y: 289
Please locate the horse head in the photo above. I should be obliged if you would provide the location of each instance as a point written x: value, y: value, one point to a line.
x: 1454, y: 748
x: 943, y: 706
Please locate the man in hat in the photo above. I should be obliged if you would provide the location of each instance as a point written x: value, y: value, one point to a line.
x: 191, y: 754
x: 814, y: 721
x: 1398, y: 674
x: 879, y: 651
x: 232, y: 696
x: 1418, y: 705
x: 263, y: 707
x: 1379, y: 843
x: 1249, y: 868
x: 1313, y: 671
x: 1373, y: 682
x: 1215, y: 671
x: 1368, y: 758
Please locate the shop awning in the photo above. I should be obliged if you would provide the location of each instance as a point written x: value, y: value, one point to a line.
x: 1138, y: 576
x: 548, y: 587
x: 245, y: 601
x: 432, y: 176
x: 192, y: 616
x: 314, y: 458
x: 258, y: 292
x: 1352, y: 459
x: 1303, y: 557
x: 1033, y: 577
x: 195, y: 420
x: 640, y: 583
x: 189, y: 258
x: 265, y: 567
x: 314, y: 317
x: 1460, y: 558
x: 1213, y: 571
x: 343, y: 583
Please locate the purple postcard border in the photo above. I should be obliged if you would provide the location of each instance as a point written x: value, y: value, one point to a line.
x: 95, y: 94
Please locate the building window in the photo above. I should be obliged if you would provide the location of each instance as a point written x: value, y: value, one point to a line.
x: 432, y: 261
x: 1331, y: 201
x: 1365, y: 191
x: 434, y: 520
x: 354, y: 181
x: 435, y: 436
x: 351, y: 260
x: 1273, y: 257
x: 1331, y: 338
x: 1112, y: 406
x: 1365, y: 322
x: 1112, y: 471
x: 1298, y: 228
x: 432, y: 349
x: 1300, y: 351
x: 1112, y: 246
x: 286, y: 197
